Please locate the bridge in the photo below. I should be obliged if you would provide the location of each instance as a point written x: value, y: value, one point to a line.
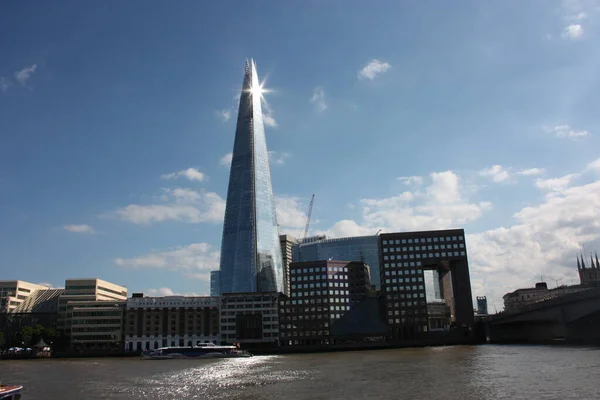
x: 572, y: 318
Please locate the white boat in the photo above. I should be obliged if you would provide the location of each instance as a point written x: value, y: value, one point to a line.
x: 10, y: 392
x: 206, y: 350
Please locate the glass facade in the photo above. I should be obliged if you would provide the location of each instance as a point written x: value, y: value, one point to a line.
x: 250, y: 250
x: 360, y: 248
x: 215, y: 283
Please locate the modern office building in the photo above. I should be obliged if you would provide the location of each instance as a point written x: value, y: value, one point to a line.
x: 39, y: 308
x: 153, y: 322
x: 250, y: 319
x: 13, y: 293
x: 320, y: 294
x: 96, y: 325
x: 404, y: 257
x: 359, y: 248
x: 215, y: 283
x: 482, y: 306
x: 85, y: 290
x: 287, y: 243
x: 250, y: 250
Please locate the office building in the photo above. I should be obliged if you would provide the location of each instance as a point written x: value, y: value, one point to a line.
x: 404, y: 257
x: 85, y: 290
x: 250, y: 250
x: 321, y: 292
x: 482, y: 306
x: 360, y: 248
x: 96, y: 325
x: 250, y: 319
x: 13, y: 293
x: 287, y: 243
x: 215, y: 283
x: 153, y: 322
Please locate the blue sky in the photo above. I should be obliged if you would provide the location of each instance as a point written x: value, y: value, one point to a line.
x: 116, y: 119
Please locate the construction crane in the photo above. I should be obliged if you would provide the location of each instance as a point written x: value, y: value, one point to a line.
x: 310, y: 207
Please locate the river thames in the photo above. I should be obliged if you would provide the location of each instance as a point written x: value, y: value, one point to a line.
x: 460, y: 372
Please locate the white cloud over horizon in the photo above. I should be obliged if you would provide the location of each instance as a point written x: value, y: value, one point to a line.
x: 83, y: 228
x: 23, y: 75
x: 191, y: 174
x: 180, y: 204
x: 373, y: 68
x: 269, y: 120
x: 496, y: 173
x: 565, y: 131
x: 318, y: 99
x: 573, y: 31
x: 226, y: 160
x: 224, y: 115
x: 195, y: 261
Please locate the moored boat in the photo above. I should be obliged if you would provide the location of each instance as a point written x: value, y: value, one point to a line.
x: 10, y: 392
x: 207, y: 350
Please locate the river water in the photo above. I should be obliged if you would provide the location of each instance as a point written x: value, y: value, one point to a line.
x: 460, y: 372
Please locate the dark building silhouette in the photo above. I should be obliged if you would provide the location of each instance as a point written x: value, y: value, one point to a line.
x: 588, y: 274
x: 403, y: 258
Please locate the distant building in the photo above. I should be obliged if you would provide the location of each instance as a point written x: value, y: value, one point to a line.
x: 215, y: 283
x: 482, y: 305
x: 85, y: 290
x: 13, y: 293
x: 404, y: 257
x: 521, y: 298
x: 251, y: 319
x: 39, y: 308
x: 438, y: 316
x: 96, y: 325
x: 153, y: 322
x: 359, y: 248
x: 287, y: 243
x: 588, y: 274
x: 321, y: 292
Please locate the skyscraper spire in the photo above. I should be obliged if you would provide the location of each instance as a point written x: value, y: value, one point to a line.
x: 250, y: 250
x: 582, y: 262
x: 578, y: 264
x: 597, y: 263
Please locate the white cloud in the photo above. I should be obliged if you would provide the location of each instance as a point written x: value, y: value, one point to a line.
x: 439, y: 205
x: 226, y: 160
x: 532, y: 171
x: 191, y: 174
x: 291, y: 214
x: 594, y: 165
x: 318, y: 99
x: 411, y: 180
x: 48, y: 285
x: 555, y: 184
x: 5, y: 83
x: 541, y: 240
x: 79, y: 229
x: 194, y: 260
x: 224, y: 115
x: 372, y: 69
x: 24, y: 74
x: 565, y: 131
x: 573, y: 31
x: 278, y: 158
x: 496, y: 172
x: 159, y: 292
x: 181, y: 205
x: 269, y: 120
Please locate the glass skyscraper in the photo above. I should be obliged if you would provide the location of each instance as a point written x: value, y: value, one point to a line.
x: 250, y: 250
x: 359, y: 248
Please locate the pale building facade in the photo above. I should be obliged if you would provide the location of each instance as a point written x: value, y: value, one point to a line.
x: 13, y: 293
x: 153, y: 322
x: 250, y: 318
x: 96, y: 325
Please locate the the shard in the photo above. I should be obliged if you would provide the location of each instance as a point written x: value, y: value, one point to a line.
x: 250, y: 250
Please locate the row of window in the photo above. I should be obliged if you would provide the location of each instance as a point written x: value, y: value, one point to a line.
x: 318, y: 301
x: 317, y: 277
x: 424, y: 240
x: 404, y: 272
x: 317, y: 269
x: 423, y: 255
x: 329, y: 292
x: 318, y: 285
x: 423, y: 248
x: 402, y: 280
x: 401, y: 304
